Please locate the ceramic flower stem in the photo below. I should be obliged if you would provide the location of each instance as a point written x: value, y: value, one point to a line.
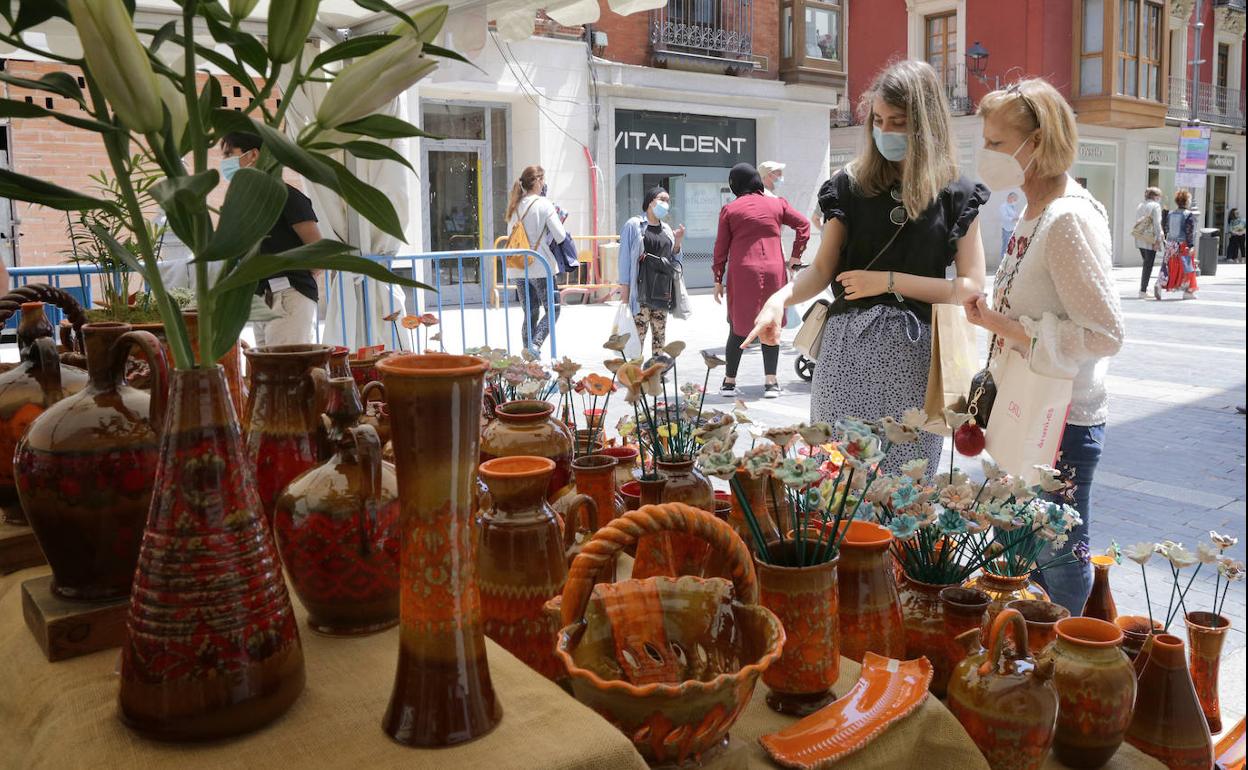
x: 750, y: 519
x: 1173, y: 612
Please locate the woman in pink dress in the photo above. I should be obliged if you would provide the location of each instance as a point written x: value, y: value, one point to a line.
x: 749, y: 250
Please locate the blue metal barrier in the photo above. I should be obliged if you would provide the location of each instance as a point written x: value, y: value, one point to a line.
x: 536, y: 268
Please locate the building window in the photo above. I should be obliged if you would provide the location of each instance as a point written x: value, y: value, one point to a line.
x: 812, y: 41
x: 1150, y: 56
x: 940, y: 47
x: 823, y: 31
x: 1224, y: 60
x: 1139, y: 49
x: 1093, y: 45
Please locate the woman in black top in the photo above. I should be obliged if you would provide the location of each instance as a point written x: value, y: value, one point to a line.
x: 895, y: 220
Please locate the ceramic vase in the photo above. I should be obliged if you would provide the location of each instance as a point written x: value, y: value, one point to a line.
x: 595, y: 478
x: 1041, y: 618
x: 805, y: 600
x: 1135, y: 634
x: 530, y: 428
x: 283, y: 423
x: 442, y: 691
x: 1168, y: 723
x: 587, y: 442
x: 756, y: 495
x: 672, y: 554
x: 338, y: 362
x: 1206, y: 633
x: 26, y: 391
x: 337, y: 527
x: 625, y: 463
x: 86, y: 467
x: 139, y: 375
x: 963, y: 611
x: 212, y: 648
x: 923, y: 615
x: 1004, y: 700
x: 1003, y: 589
x: 1100, y: 603
x: 1096, y: 691
x: 523, y: 561
x: 870, y: 610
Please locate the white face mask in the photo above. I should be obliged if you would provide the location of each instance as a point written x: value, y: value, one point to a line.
x: 1001, y: 171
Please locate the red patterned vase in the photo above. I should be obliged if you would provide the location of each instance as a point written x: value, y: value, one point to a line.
x: 923, y: 615
x: 1095, y: 688
x: 964, y: 610
x: 870, y: 610
x: 1206, y: 633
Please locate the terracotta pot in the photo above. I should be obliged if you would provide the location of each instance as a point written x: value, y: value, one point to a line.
x: 1002, y: 590
x: 870, y: 610
x: 1135, y: 634
x: 1100, y: 603
x: 630, y: 493
x: 207, y: 580
x: 26, y: 391
x: 587, y: 442
x: 1041, y: 618
x: 86, y: 467
x: 963, y: 610
x: 625, y: 463
x: 337, y: 527
x: 1168, y: 723
x: 138, y: 374
x: 530, y: 428
x: 923, y: 615
x: 1206, y: 633
x: 595, y: 478
x: 671, y: 662
x: 523, y: 561
x: 1095, y: 688
x: 756, y: 495
x: 593, y: 419
x: 363, y: 365
x: 1005, y: 701
x: 283, y: 424
x: 805, y: 600
x: 442, y: 691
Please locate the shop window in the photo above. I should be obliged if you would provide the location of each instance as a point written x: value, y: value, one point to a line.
x: 813, y: 41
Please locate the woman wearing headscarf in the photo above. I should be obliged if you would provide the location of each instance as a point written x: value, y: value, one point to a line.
x: 749, y: 252
x: 642, y: 235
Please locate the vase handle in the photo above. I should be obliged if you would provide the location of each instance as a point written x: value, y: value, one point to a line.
x: 668, y: 517
x: 369, y: 387
x: 368, y: 448
x: 1008, y: 620
x: 319, y: 377
x: 157, y: 361
x: 48, y: 360
x: 572, y: 519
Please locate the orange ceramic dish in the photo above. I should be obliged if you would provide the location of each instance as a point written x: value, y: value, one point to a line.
x: 888, y: 690
x: 1230, y: 749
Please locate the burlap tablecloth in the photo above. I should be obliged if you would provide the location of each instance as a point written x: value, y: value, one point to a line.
x: 63, y: 715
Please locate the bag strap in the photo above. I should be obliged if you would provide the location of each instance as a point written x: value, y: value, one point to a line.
x: 878, y: 254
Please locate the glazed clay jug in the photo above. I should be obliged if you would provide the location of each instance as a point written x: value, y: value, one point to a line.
x: 283, y: 421
x: 963, y: 610
x: 1004, y: 589
x: 26, y: 390
x: 755, y: 490
x: 530, y: 428
x: 1168, y: 723
x: 337, y: 527
x: 1004, y: 699
x: 625, y: 463
x: 523, y: 561
x: 923, y: 615
x: 595, y: 477
x: 1095, y: 688
x: 1042, y: 618
x: 86, y: 467
x: 870, y: 611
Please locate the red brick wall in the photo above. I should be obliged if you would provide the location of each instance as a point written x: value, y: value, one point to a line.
x: 1029, y: 38
x: 875, y: 36
x: 65, y: 155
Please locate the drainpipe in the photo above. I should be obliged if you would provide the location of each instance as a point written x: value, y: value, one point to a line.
x: 1193, y: 113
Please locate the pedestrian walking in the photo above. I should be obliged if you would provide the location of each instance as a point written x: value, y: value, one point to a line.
x: 1235, y: 244
x: 1179, y: 269
x: 1147, y: 232
x: 1009, y: 219
x: 897, y: 217
x: 750, y: 255
x: 1054, y: 298
x: 648, y: 237
x: 529, y: 208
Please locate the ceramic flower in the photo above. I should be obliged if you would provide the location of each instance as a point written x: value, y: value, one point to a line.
x: 566, y: 368
x: 1004, y: 517
x: 915, y: 469
x: 1050, y: 478
x: 898, y: 432
x: 435, y: 337
x: 1022, y: 492
x: 782, y: 437
x: 852, y: 427
x: 957, y: 496
x: 528, y: 389
x: 881, y: 489
x: 951, y: 522
x: 596, y: 385
x: 1222, y: 541
x: 617, y: 342
x: 863, y: 452
x: 716, y: 426
x: 865, y: 511
x: 798, y: 472
x: 626, y: 427
x: 1114, y: 552
x: 674, y: 348
x: 954, y: 478
x: 1081, y: 552
x: 640, y: 382
x: 660, y: 359
x: 904, y: 526
x: 717, y: 460
x: 1180, y: 557
x: 1139, y: 553
x: 914, y: 418
x: 815, y: 434
x: 711, y: 360
x: 956, y: 420
x: 992, y: 471
x: 740, y: 413
x: 1207, y: 554
x: 762, y: 459
x: 613, y: 365
x: 904, y: 496
x: 428, y: 319
x: 1231, y: 569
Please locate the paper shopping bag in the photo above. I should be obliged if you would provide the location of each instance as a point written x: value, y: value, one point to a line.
x: 954, y: 362
x: 1028, y: 417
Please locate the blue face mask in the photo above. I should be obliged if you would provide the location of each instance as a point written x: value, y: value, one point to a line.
x: 229, y: 167
x: 661, y: 209
x: 891, y: 145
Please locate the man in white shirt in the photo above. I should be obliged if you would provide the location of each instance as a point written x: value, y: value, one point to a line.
x: 1009, y: 220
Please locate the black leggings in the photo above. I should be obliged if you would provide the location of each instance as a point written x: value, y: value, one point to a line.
x: 1147, y: 256
x: 733, y: 351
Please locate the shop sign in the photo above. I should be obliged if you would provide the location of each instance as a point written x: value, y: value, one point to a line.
x: 1161, y: 158
x: 678, y: 139
x: 1090, y: 152
x: 1221, y: 162
x: 1193, y: 156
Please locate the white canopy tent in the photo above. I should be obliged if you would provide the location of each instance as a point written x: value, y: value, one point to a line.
x: 465, y: 31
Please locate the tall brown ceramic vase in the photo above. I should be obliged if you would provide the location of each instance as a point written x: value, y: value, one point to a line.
x: 1004, y: 589
x: 1206, y: 633
x: 1100, y: 603
x: 530, y: 428
x: 870, y: 611
x: 86, y: 467
x: 1168, y: 723
x: 1095, y: 689
x: 964, y: 610
x: 442, y: 692
x: 212, y: 648
x: 923, y: 615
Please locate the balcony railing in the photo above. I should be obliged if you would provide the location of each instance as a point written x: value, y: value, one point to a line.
x: 956, y: 91
x: 1234, y: 5
x: 716, y: 33
x: 1216, y: 105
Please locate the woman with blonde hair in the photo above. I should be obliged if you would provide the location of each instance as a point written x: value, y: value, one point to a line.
x: 895, y: 219
x: 529, y: 207
x: 1054, y: 298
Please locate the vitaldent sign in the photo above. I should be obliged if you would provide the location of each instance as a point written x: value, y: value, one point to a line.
x: 677, y: 139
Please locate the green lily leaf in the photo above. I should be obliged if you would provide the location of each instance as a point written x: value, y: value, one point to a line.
x: 383, y: 127
x: 366, y: 150
x: 119, y: 252
x: 185, y: 201
x: 60, y: 83
x: 13, y: 108
x: 352, y: 48
x: 28, y: 188
x: 368, y: 201
x: 31, y: 13
x: 231, y: 309
x: 445, y: 53
x: 309, y: 165
x: 253, y: 202
x: 322, y: 255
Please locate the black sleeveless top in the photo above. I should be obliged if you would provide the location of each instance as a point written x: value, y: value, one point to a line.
x: 926, y: 246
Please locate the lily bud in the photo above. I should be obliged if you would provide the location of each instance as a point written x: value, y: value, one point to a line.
x: 366, y: 85
x: 118, y: 62
x: 240, y: 9
x: 290, y: 22
x: 173, y: 99
x: 428, y: 21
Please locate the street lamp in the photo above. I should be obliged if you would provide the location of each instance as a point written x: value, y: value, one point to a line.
x: 977, y: 61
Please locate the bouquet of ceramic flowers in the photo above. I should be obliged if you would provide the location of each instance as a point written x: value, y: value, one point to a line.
x: 513, y: 378
x: 1179, y: 558
x: 667, y: 419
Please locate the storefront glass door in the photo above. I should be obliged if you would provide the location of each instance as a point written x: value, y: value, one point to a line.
x: 1215, y: 205
x: 454, y: 179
